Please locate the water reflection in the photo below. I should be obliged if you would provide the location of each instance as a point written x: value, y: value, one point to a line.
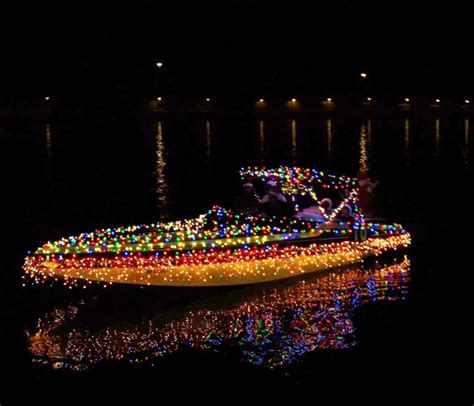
x: 406, y: 143
x: 261, y: 137
x: 208, y: 138
x: 363, y: 160
x: 437, y: 136
x: 161, y: 183
x: 466, y: 141
x: 49, y: 151
x: 268, y: 326
x: 329, y: 137
x: 293, y: 139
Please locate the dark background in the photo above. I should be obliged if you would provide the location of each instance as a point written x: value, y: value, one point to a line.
x: 235, y: 49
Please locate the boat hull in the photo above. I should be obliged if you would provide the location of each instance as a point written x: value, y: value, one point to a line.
x: 283, y: 263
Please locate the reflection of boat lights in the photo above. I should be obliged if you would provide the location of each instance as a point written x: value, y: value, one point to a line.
x: 275, y: 327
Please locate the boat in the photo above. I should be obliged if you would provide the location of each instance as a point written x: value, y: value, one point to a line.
x: 223, y: 247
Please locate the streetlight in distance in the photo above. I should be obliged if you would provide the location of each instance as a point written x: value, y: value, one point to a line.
x: 363, y: 75
x: 208, y: 99
x: 467, y: 101
x: 47, y: 98
x: 407, y: 100
x: 159, y: 65
x: 369, y: 99
x: 438, y: 101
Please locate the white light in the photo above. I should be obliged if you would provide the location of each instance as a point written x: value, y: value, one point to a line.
x: 369, y: 98
x: 437, y: 100
x: 407, y: 99
x: 329, y: 100
x: 158, y: 98
x: 363, y: 75
x: 293, y: 100
x: 159, y: 64
x: 208, y: 99
x: 46, y: 98
x: 261, y: 100
x: 466, y: 101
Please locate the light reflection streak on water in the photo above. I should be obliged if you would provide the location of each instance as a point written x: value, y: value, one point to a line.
x: 466, y: 141
x: 161, y: 184
x: 261, y: 137
x: 273, y: 326
x: 293, y: 139
x: 437, y: 136
x: 406, y: 142
x: 363, y: 164
x: 369, y: 133
x: 329, y: 137
x: 49, y: 150
x: 208, y: 139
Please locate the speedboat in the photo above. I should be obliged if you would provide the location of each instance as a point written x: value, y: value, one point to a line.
x: 224, y: 247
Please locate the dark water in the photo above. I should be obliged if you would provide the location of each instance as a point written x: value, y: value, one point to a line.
x: 369, y: 323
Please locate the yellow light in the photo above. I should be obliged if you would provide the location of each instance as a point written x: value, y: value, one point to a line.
x: 159, y: 99
x: 293, y: 100
x: 159, y: 65
x: 261, y: 100
x: 466, y: 101
x: 329, y: 100
x: 363, y: 75
x: 437, y: 100
x: 407, y: 99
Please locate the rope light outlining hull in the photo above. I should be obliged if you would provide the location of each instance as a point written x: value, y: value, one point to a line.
x: 221, y: 248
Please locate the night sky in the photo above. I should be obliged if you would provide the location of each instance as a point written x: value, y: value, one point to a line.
x: 236, y: 49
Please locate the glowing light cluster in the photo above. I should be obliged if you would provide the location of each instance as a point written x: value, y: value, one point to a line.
x: 271, y: 328
x: 210, y: 267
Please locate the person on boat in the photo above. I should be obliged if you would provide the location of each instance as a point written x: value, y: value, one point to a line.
x: 326, y: 206
x: 366, y: 192
x: 274, y: 203
x: 272, y: 190
x: 247, y: 202
x: 345, y: 214
x: 310, y: 211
